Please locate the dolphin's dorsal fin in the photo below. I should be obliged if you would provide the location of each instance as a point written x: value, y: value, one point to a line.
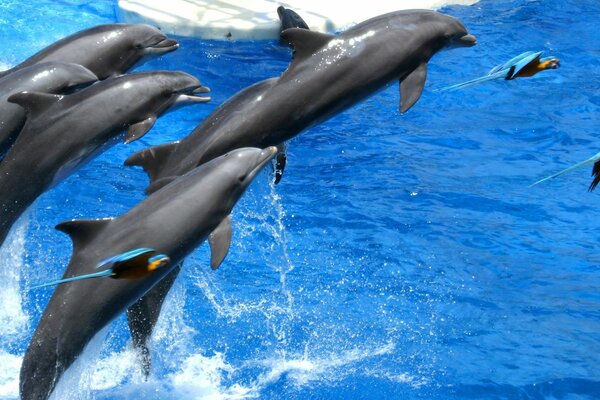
x: 304, y: 42
x: 139, y: 129
x: 34, y: 102
x: 411, y: 87
x: 82, y: 231
x: 152, y: 159
x: 220, y: 240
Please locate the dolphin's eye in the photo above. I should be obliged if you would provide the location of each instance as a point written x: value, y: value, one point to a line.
x: 242, y: 178
x: 139, y: 46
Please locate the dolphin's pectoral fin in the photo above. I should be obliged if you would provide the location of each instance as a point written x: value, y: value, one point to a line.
x: 220, y: 240
x: 82, y: 231
x: 139, y: 129
x: 152, y: 159
x: 411, y: 87
x: 143, y: 314
x: 304, y: 42
x: 280, y: 162
x: 34, y: 102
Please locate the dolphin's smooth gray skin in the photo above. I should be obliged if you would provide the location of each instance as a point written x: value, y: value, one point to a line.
x: 64, y: 131
x: 328, y: 74
x: 106, y: 50
x: 50, y: 77
x: 173, y: 221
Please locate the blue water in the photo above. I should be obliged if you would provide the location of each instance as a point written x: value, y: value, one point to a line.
x: 401, y: 256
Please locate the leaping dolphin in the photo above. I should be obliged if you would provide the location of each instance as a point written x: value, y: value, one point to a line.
x: 328, y: 74
x: 64, y: 131
x: 173, y: 221
x: 106, y: 50
x: 48, y: 77
x: 524, y: 65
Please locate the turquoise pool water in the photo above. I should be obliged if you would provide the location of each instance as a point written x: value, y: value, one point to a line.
x: 401, y: 256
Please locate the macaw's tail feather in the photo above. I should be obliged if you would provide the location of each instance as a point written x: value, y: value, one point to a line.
x: 100, y: 274
x: 595, y: 173
x: 476, y: 81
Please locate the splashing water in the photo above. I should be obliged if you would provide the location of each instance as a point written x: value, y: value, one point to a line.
x: 13, y: 318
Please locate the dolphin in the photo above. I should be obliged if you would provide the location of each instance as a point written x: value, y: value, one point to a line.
x: 106, y: 50
x: 328, y: 74
x: 173, y: 221
x: 64, y: 131
x: 48, y: 77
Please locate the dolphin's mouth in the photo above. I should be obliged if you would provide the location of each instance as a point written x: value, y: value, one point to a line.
x: 191, y: 95
x: 164, y: 46
x: 264, y: 157
x: 467, y: 40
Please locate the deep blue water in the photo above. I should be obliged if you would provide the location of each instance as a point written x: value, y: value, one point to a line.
x: 401, y: 256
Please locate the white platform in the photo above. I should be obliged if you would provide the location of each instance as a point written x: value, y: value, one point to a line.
x: 257, y: 19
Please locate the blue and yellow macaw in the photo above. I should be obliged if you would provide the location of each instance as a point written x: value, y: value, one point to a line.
x: 524, y: 65
x: 595, y: 171
x: 133, y: 264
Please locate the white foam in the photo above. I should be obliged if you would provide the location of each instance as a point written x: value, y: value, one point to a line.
x: 200, y: 378
x: 329, y: 367
x: 9, y: 375
x: 257, y: 19
x: 13, y: 319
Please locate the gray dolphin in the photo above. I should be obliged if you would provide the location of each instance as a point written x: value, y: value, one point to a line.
x: 49, y: 77
x: 328, y: 74
x: 106, y: 50
x: 64, y: 131
x: 173, y: 221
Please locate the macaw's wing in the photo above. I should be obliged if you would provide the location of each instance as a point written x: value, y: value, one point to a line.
x: 525, y: 61
x: 131, y: 255
x: 513, y: 61
x: 590, y: 160
x: 497, y: 75
x: 101, y: 274
x: 596, y: 175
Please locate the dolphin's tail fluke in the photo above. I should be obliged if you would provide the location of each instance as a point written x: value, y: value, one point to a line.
x: 152, y: 160
x: 101, y: 274
x: 596, y: 171
x: 476, y: 81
